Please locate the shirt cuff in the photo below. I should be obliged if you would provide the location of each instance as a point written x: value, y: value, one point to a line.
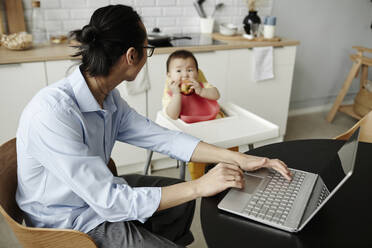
x: 154, y: 198
x: 185, y: 145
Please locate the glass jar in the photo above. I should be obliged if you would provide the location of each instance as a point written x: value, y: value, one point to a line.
x: 37, y: 24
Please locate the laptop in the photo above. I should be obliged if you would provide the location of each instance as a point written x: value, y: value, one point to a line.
x: 270, y: 199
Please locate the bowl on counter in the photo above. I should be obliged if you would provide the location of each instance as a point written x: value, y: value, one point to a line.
x: 228, y: 29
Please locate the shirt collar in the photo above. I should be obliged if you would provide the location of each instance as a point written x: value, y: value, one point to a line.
x: 84, y: 97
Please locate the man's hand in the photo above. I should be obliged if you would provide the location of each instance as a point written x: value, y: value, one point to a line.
x: 219, y: 178
x: 251, y: 163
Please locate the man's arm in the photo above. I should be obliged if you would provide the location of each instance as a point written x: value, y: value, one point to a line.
x: 207, y: 153
x: 219, y: 178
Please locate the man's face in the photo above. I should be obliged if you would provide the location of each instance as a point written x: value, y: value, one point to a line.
x: 180, y: 68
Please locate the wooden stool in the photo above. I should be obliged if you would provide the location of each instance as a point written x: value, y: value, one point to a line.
x: 361, y: 63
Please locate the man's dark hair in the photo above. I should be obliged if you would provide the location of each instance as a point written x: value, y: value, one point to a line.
x: 112, y: 30
x: 181, y: 54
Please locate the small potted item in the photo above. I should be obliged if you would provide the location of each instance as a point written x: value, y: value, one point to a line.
x: 252, y: 21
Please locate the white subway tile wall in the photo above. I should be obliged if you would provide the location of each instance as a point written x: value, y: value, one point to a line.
x: 171, y: 16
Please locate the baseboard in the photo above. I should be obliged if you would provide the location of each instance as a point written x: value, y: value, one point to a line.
x: 315, y: 109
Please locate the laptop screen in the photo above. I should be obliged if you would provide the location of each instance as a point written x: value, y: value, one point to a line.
x: 342, y: 163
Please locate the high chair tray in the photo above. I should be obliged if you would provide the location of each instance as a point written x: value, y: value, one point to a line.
x: 240, y: 127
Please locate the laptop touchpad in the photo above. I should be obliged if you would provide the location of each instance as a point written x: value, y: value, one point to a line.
x: 251, y: 183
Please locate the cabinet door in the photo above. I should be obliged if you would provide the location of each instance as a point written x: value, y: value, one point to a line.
x: 125, y: 154
x: 269, y: 98
x: 214, y: 66
x: 19, y: 83
x: 157, y: 76
x: 56, y: 70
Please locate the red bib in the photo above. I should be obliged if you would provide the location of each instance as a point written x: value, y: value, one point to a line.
x: 195, y: 108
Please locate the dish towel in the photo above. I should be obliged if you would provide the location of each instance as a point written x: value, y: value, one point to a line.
x: 140, y: 84
x: 263, y: 63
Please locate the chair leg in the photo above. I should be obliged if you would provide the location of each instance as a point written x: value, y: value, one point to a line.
x: 354, y: 69
x: 148, y: 162
x: 182, y: 170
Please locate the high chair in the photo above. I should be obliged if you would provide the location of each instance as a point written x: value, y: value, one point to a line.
x: 240, y: 127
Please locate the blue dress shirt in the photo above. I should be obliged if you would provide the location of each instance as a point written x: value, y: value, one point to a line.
x: 64, y: 142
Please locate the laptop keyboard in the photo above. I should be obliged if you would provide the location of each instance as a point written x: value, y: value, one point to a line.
x: 276, y: 200
x: 323, y: 195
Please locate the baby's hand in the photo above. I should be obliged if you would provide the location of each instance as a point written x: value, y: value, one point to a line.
x: 196, y: 86
x: 174, y: 86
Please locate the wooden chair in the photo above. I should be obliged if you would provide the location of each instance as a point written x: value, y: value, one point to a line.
x: 30, y: 237
x: 361, y: 63
x: 365, y: 133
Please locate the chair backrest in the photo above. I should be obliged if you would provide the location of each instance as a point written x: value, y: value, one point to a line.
x: 30, y: 237
x: 365, y: 133
x: 8, y: 180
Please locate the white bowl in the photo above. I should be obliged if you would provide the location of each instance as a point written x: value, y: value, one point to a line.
x: 228, y: 29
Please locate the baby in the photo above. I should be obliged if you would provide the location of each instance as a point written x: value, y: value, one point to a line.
x: 183, y: 89
x: 188, y: 95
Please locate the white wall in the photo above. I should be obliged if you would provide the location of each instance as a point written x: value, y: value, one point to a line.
x: 172, y: 16
x: 327, y: 30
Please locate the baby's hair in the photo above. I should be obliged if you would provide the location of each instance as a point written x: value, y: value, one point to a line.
x: 181, y: 54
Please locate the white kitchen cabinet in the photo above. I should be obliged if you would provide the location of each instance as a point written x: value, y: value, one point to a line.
x: 269, y: 98
x: 19, y: 83
x: 56, y: 70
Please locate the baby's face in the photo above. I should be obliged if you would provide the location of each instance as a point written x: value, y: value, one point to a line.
x: 180, y: 68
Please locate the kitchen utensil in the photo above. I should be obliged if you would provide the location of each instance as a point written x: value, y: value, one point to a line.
x: 217, y: 7
x: 228, y: 29
x: 15, y: 16
x: 200, y: 3
x: 163, y: 40
x: 197, y: 7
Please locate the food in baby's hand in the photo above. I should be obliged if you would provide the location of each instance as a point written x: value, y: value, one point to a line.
x: 186, y: 88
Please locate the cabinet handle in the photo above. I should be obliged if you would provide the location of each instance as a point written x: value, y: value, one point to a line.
x: 250, y: 48
x: 11, y: 65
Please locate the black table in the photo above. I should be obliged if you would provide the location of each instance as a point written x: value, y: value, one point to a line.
x: 345, y: 221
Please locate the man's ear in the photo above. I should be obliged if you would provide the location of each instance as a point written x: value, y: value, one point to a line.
x: 131, y: 56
